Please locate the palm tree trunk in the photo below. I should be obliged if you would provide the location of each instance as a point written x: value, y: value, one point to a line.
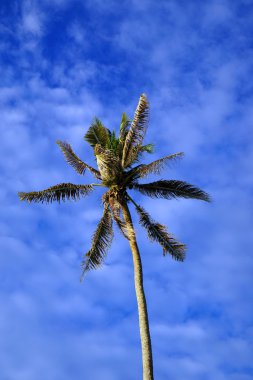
x: 147, y: 361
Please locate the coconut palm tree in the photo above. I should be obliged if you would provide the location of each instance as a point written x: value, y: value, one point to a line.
x: 118, y: 171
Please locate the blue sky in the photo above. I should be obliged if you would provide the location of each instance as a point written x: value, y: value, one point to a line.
x: 62, y: 63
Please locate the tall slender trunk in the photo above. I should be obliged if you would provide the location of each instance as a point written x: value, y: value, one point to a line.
x: 147, y: 361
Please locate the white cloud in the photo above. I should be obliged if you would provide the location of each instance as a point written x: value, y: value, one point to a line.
x: 32, y: 23
x: 79, y: 35
x: 32, y: 18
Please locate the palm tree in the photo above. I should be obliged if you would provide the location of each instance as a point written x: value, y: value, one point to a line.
x: 115, y: 158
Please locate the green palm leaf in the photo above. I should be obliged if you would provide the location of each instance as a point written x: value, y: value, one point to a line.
x: 149, y: 148
x: 136, y: 132
x: 124, y: 127
x: 157, y: 232
x: 171, y: 189
x: 75, y: 161
x: 97, y: 134
x: 57, y: 193
x: 101, y: 241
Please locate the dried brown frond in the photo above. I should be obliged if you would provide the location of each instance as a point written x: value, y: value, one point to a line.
x: 116, y: 211
x: 136, y: 132
x: 75, y: 161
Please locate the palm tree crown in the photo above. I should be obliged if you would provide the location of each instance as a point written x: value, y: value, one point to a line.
x: 117, y: 170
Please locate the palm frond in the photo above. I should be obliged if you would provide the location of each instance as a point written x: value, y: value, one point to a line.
x: 136, y: 153
x: 157, y: 232
x: 97, y: 134
x: 124, y: 127
x: 57, y: 193
x: 149, y: 148
x: 136, y: 132
x: 115, y: 145
x: 75, y: 161
x: 131, y: 176
x: 101, y: 241
x: 171, y: 189
x: 156, y: 166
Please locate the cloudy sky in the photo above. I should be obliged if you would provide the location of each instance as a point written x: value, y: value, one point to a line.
x: 64, y: 62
